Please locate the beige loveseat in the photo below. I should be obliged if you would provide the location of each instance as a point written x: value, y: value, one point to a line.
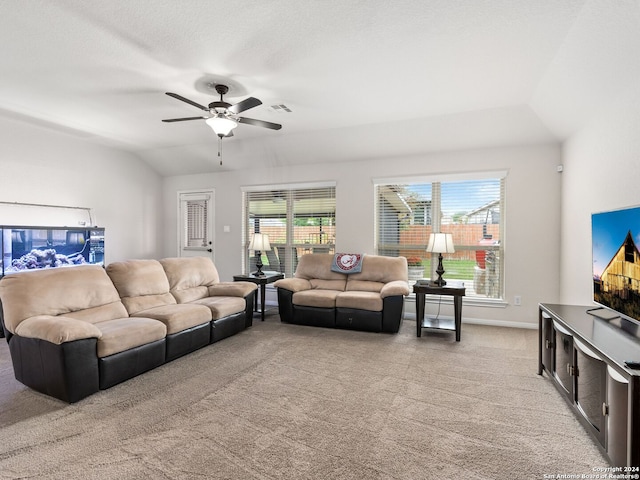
x: 75, y: 330
x: 371, y: 300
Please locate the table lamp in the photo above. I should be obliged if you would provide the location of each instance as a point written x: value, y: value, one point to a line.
x: 259, y: 243
x: 440, y: 243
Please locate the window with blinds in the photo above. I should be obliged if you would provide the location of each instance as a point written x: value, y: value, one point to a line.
x: 196, y: 224
x: 195, y: 219
x: 298, y: 220
x: 471, y: 209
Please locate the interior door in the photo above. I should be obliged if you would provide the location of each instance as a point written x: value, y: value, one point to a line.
x: 195, y: 229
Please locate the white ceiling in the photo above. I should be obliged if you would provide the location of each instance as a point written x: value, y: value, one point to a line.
x: 363, y: 78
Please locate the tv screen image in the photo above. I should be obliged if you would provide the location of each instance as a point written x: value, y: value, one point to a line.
x: 616, y: 261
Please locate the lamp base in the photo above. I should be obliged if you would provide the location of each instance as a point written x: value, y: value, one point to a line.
x: 440, y: 271
x: 259, y: 265
x: 441, y: 282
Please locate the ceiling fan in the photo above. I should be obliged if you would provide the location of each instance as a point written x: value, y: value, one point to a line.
x: 222, y: 116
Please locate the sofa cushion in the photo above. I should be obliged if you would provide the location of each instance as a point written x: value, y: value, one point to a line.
x: 190, y: 294
x: 142, y: 284
x: 321, y: 284
x: 364, y: 286
x: 317, y: 266
x: 360, y: 300
x: 145, y: 302
x: 101, y: 313
x: 378, y: 268
x: 316, y: 298
x: 178, y: 317
x: 125, y: 333
x: 189, y: 277
x: 232, y: 289
x: 223, y: 306
x: 58, y: 291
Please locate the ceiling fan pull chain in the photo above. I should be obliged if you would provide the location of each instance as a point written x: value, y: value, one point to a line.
x: 220, y: 149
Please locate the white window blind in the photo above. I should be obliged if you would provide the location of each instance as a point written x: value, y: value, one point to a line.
x: 195, y: 222
x: 470, y: 209
x: 297, y: 219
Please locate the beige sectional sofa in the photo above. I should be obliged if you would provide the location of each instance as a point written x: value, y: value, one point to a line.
x: 73, y: 331
x: 371, y: 300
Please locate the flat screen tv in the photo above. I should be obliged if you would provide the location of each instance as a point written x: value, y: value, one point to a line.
x: 616, y: 261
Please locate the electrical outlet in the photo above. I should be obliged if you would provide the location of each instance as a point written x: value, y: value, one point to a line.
x: 517, y: 300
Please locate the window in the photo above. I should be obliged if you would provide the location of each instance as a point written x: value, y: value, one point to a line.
x: 470, y: 207
x: 196, y: 223
x: 298, y: 219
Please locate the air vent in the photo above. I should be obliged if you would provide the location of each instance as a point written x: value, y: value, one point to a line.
x: 280, y: 108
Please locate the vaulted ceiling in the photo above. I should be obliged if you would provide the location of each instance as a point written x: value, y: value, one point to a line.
x: 363, y: 78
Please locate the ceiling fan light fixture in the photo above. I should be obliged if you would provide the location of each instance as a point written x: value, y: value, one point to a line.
x: 221, y: 124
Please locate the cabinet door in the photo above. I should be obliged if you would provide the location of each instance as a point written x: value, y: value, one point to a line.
x: 617, y: 405
x: 563, y: 360
x: 547, y: 342
x: 590, y: 388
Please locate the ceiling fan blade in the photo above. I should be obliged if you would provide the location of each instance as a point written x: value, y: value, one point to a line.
x: 186, y: 100
x: 245, y: 104
x: 260, y: 123
x: 184, y: 119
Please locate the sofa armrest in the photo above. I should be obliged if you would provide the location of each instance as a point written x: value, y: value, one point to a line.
x: 232, y: 289
x: 293, y: 284
x: 397, y: 287
x: 58, y: 329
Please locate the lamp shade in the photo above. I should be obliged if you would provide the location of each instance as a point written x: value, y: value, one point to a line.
x: 221, y: 124
x: 259, y: 242
x: 440, y: 243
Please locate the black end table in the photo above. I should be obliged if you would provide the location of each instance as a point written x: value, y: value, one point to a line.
x: 456, y: 290
x: 269, y: 277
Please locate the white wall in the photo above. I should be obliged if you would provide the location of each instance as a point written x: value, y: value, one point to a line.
x: 602, y: 172
x: 532, y: 214
x: 39, y: 165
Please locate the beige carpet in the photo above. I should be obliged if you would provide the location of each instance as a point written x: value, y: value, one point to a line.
x: 285, y: 401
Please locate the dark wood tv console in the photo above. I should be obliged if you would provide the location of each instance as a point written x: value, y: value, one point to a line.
x: 584, y: 356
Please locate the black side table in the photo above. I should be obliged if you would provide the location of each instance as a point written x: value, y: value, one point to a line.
x: 269, y: 277
x: 456, y: 290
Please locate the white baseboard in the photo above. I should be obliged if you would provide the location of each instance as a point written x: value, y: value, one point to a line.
x: 482, y: 321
